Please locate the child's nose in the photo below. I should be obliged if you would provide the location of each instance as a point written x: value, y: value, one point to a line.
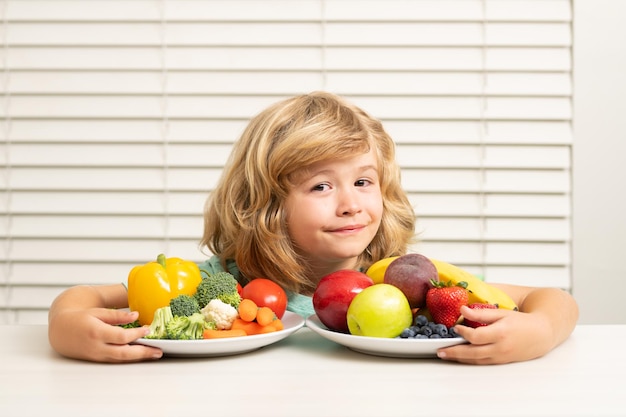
x: 348, y: 204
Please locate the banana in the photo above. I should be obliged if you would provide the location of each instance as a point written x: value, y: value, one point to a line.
x: 480, y: 291
x: 376, y: 271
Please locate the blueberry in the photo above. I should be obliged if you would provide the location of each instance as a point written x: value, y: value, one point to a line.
x: 452, y: 332
x: 421, y: 320
x: 426, y: 330
x: 407, y: 333
x: 435, y: 336
x: 441, y: 330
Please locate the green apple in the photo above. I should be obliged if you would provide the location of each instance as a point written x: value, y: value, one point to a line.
x: 380, y: 310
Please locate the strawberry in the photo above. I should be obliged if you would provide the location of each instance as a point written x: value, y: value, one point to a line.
x: 475, y: 324
x: 444, y: 301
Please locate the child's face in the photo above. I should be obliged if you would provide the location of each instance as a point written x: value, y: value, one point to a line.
x: 334, y: 212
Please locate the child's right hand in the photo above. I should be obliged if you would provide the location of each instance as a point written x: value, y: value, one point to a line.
x: 82, y: 324
x: 93, y: 334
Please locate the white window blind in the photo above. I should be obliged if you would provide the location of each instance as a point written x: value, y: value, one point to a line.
x: 117, y: 117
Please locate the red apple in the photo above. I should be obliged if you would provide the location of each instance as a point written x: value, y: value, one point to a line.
x: 333, y: 296
x: 412, y: 273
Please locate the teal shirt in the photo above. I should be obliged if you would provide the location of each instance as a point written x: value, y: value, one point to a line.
x: 297, y: 303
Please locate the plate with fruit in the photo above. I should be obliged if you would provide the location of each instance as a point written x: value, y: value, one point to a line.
x: 399, y: 347
x: 374, y: 312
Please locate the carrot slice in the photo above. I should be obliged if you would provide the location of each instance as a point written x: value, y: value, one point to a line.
x: 247, y: 309
x: 270, y: 328
x: 253, y: 327
x: 278, y: 324
x: 274, y: 326
x: 265, y: 316
x: 250, y: 327
x: 220, y: 334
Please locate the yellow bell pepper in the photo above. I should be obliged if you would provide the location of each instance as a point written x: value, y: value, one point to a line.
x: 153, y: 285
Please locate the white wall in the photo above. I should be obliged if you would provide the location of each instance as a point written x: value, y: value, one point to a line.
x: 599, y: 229
x: 117, y: 117
x: 599, y: 173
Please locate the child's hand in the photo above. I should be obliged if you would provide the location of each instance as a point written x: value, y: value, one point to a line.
x: 510, y: 336
x: 93, y: 334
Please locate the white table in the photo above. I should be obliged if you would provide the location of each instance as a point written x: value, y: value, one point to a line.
x: 307, y: 375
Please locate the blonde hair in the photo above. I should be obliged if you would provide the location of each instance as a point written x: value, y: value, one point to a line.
x: 244, y: 218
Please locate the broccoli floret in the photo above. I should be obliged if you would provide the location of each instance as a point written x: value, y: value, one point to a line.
x: 184, y: 305
x: 221, y: 286
x: 132, y: 325
x: 158, y: 327
x: 186, y: 327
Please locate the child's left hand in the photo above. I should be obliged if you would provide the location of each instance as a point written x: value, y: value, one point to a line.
x: 511, y: 336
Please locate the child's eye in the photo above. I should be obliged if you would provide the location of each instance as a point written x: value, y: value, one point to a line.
x: 320, y: 187
x: 362, y: 182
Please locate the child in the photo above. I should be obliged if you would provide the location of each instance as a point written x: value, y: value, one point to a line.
x: 311, y: 187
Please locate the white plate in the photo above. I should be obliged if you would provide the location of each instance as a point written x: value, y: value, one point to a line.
x: 227, y: 346
x: 379, y: 346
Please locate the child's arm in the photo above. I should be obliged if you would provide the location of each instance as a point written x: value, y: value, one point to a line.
x: 546, y: 318
x: 82, y: 324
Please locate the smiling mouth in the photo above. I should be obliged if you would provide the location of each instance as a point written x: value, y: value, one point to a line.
x: 348, y: 228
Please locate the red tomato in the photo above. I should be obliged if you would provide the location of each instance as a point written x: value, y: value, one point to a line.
x: 266, y: 293
x: 239, y: 289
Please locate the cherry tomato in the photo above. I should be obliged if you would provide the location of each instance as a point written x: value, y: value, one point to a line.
x: 266, y: 293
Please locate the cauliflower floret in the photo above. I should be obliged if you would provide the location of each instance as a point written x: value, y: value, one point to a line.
x: 220, y: 313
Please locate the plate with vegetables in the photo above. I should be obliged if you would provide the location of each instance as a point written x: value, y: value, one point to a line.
x: 227, y: 345
x: 212, y: 315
